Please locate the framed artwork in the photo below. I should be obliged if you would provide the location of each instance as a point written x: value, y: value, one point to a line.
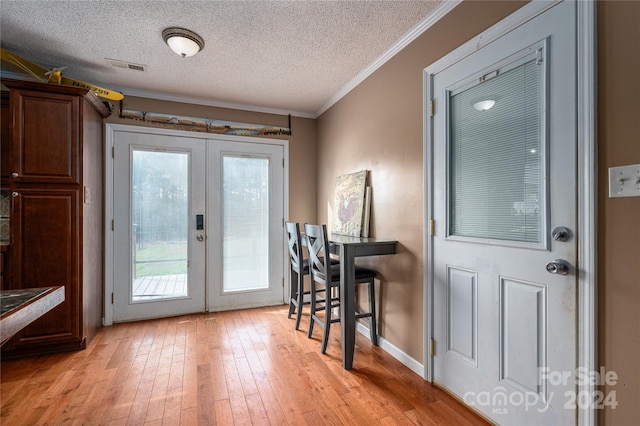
x: 366, y: 215
x: 349, y: 204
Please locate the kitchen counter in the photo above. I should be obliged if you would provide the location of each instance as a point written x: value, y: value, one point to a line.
x: 19, y: 308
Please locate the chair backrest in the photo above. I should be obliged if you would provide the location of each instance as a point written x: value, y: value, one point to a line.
x: 319, y: 259
x: 295, y: 245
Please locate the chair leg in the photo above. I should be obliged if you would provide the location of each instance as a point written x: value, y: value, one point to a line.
x: 327, y: 320
x: 372, y: 307
x: 292, y: 296
x: 300, y: 299
x: 312, y: 303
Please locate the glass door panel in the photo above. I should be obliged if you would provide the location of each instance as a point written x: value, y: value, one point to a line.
x: 246, y: 223
x: 496, y: 150
x: 160, y: 212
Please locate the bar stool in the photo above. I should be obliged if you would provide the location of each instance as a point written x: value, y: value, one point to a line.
x: 298, y: 268
x: 326, y: 279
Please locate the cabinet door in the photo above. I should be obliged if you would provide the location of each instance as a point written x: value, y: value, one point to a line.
x: 45, y: 137
x: 45, y: 232
x: 4, y: 139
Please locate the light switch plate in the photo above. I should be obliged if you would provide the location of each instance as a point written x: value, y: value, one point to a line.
x: 624, y: 181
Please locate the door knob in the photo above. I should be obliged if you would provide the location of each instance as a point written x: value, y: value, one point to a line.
x: 200, y: 237
x: 558, y: 266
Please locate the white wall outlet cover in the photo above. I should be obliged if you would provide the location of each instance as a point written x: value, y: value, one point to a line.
x: 624, y: 181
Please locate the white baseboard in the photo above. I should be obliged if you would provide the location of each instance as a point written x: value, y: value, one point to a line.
x: 394, y: 351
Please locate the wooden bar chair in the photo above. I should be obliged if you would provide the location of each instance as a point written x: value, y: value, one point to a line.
x: 326, y: 279
x: 298, y: 268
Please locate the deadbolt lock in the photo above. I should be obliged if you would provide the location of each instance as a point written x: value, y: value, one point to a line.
x: 561, y: 233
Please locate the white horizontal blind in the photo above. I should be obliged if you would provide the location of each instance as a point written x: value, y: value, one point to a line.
x: 245, y: 207
x: 495, y: 156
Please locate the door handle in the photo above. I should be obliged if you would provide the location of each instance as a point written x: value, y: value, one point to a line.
x: 558, y: 266
x: 200, y: 237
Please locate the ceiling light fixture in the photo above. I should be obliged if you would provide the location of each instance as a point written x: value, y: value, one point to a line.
x: 484, y: 105
x: 184, y: 42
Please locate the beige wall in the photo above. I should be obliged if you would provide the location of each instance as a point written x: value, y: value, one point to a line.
x: 302, y: 144
x: 619, y: 218
x: 378, y: 127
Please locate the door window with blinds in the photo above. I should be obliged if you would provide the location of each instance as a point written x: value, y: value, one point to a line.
x: 496, y: 153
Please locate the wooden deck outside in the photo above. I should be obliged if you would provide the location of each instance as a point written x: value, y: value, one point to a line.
x: 146, y: 288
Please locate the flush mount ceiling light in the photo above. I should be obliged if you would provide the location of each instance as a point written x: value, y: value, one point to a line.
x: 184, y: 42
x: 484, y: 105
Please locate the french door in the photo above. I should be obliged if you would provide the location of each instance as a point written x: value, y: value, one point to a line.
x: 504, y: 273
x: 197, y: 224
x: 245, y: 251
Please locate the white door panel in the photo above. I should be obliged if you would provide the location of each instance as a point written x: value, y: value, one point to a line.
x: 159, y: 264
x: 503, y: 179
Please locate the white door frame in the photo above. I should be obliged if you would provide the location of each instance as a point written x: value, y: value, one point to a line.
x: 586, y: 184
x: 110, y: 130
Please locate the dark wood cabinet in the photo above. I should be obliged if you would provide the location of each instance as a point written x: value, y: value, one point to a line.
x: 40, y: 155
x: 45, y: 229
x: 56, y: 217
x: 3, y: 249
x: 4, y: 141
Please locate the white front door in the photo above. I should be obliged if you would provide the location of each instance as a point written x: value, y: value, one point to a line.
x: 504, y: 183
x: 197, y: 224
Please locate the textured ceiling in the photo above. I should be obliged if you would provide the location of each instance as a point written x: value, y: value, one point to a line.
x: 286, y: 56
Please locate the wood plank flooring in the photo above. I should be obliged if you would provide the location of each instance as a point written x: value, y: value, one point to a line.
x: 239, y: 367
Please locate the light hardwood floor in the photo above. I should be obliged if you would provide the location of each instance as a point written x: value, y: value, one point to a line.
x: 239, y: 367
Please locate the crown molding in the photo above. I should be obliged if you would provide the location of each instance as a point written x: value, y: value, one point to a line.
x: 427, y: 22
x: 179, y: 98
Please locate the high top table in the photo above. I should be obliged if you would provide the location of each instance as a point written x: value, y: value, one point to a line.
x: 348, y: 248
